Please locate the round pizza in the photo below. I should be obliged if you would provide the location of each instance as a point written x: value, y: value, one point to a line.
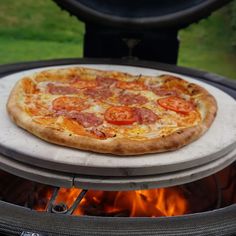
x: 111, y: 111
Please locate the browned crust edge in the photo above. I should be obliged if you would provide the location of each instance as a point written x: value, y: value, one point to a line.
x: 117, y: 146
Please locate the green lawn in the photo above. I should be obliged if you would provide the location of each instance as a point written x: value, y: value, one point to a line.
x: 38, y: 20
x: 37, y: 30
x: 12, y: 50
x: 208, y: 45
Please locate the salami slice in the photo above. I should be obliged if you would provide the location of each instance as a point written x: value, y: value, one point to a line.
x: 86, y: 119
x: 132, y: 99
x: 145, y: 116
x: 164, y: 92
x: 98, y: 93
x: 61, y: 90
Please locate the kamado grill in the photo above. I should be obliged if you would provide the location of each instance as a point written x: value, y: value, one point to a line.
x: 51, y: 190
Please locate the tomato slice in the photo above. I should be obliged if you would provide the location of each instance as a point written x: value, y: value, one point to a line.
x: 176, y: 104
x: 85, y: 84
x: 69, y: 104
x: 120, y: 115
x: 136, y: 85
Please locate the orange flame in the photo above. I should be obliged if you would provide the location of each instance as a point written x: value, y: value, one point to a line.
x: 140, y: 203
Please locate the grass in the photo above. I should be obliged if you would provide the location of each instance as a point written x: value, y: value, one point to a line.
x: 38, y: 20
x: 37, y: 30
x: 208, y: 45
x: 12, y: 50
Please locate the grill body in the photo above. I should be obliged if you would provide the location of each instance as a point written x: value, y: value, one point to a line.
x: 15, y: 220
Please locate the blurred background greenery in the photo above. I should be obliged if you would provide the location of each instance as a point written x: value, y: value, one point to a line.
x: 36, y: 30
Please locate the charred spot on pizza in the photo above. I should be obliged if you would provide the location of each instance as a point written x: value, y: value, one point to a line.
x: 179, y: 131
x: 194, y: 90
x: 167, y: 78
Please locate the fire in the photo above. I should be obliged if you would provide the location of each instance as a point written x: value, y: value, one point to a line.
x: 207, y: 194
x: 215, y: 191
x: 140, y: 203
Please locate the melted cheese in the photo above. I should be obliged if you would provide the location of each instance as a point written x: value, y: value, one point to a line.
x: 168, y: 122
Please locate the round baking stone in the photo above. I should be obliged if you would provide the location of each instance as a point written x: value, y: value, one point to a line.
x: 60, y: 179
x: 24, y: 147
x: 155, y: 181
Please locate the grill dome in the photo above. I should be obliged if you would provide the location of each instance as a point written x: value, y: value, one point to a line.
x: 141, y: 13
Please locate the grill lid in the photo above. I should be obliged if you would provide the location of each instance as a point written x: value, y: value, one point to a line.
x: 142, y: 13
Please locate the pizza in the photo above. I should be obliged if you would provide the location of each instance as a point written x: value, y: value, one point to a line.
x: 111, y: 111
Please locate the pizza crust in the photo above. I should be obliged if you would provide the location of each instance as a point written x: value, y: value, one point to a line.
x: 117, y: 146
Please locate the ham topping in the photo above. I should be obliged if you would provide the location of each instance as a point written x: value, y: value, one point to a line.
x: 61, y: 90
x: 145, y: 116
x: 86, y: 119
x: 130, y: 99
